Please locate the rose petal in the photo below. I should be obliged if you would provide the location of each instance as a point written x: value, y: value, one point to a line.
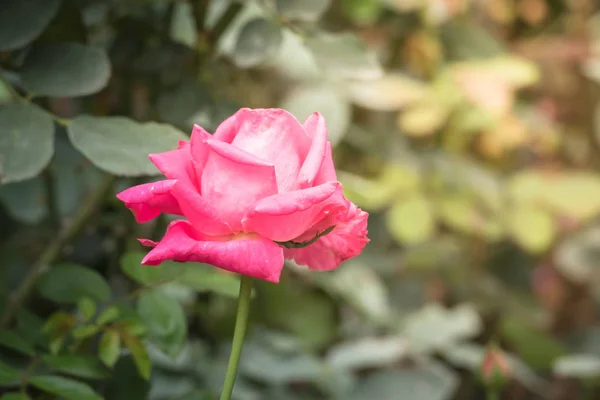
x: 317, y: 129
x: 286, y: 216
x: 346, y: 241
x: 175, y: 164
x: 273, y: 135
x: 147, y: 201
x: 327, y: 170
x: 252, y: 256
x: 234, y: 180
x: 199, y: 151
x: 203, y: 215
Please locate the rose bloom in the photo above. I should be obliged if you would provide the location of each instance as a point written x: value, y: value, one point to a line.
x: 262, y: 188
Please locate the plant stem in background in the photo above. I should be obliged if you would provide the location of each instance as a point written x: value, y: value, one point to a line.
x: 241, y: 323
x: 52, y: 251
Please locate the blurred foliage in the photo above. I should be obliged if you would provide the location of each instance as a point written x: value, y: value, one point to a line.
x: 469, y: 129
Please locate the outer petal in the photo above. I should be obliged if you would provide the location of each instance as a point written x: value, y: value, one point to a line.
x: 326, y: 170
x: 199, y: 151
x: 346, y: 241
x: 286, y: 216
x: 317, y: 129
x: 147, y: 201
x: 234, y: 180
x: 175, y: 164
x: 273, y: 135
x: 203, y: 215
x: 252, y: 256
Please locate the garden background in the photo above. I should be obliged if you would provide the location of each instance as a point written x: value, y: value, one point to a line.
x: 469, y: 130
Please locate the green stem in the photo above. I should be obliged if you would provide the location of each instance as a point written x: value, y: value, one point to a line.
x: 241, y: 323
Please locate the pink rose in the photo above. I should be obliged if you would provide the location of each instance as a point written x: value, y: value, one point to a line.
x: 252, y: 194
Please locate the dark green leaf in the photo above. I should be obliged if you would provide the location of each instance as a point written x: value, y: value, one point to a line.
x: 140, y: 355
x: 68, y: 283
x: 65, y: 70
x: 21, y: 21
x: 85, y: 331
x: 126, y: 383
x: 25, y: 201
x: 132, y: 267
x: 76, y: 365
x: 26, y: 143
x: 110, y: 347
x: 8, y: 375
x: 64, y: 387
x: 14, y: 341
x: 302, y: 10
x: 120, y: 145
x: 165, y: 320
x: 258, y: 40
x: 15, y: 396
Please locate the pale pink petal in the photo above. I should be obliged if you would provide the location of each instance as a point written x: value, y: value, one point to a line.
x: 317, y: 129
x: 147, y: 201
x: 234, y: 180
x: 346, y: 241
x: 247, y: 255
x: 273, y: 135
x: 286, y: 216
x: 205, y: 217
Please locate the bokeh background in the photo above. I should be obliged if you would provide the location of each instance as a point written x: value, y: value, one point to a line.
x: 468, y: 129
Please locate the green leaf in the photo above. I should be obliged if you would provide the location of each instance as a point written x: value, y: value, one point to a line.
x: 258, y: 40
x: 165, y: 320
x: 538, y: 349
x: 580, y: 366
x: 183, y: 26
x: 434, y: 327
x: 8, y: 375
x: 25, y: 201
x: 302, y: 10
x: 432, y: 381
x: 344, y: 56
x: 64, y: 387
x: 411, y: 221
x: 109, y: 348
x: 305, y: 100
x: 532, y: 228
x: 85, y: 331
x: 26, y: 143
x: 68, y: 283
x: 65, y: 70
x: 15, y: 396
x: 87, y: 308
x: 131, y: 264
x: 120, y: 145
x: 14, y: 341
x: 206, y: 278
x: 19, y: 25
x: 108, y: 315
x: 76, y: 365
x: 140, y: 355
x: 368, y: 353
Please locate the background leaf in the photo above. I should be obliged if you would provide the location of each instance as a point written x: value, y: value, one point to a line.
x: 19, y: 26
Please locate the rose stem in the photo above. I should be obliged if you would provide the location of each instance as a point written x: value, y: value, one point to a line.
x: 241, y: 323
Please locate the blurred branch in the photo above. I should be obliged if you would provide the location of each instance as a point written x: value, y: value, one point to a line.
x: 221, y: 26
x: 200, y: 8
x: 52, y: 251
